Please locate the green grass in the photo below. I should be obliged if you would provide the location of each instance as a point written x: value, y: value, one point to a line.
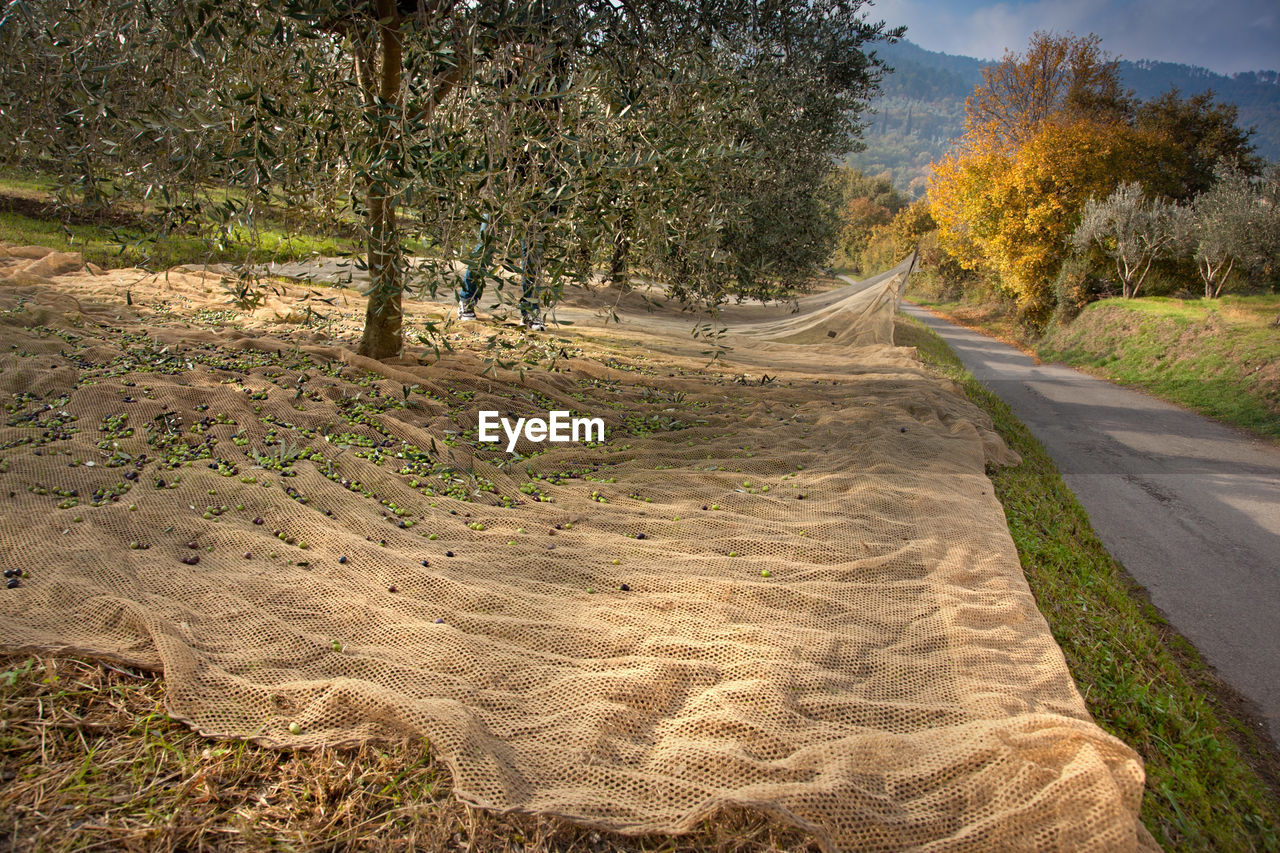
x: 108, y: 247
x: 120, y: 238
x: 26, y: 184
x: 1141, y: 681
x: 1219, y: 357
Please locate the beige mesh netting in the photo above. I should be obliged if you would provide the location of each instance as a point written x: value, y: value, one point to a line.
x: 781, y: 582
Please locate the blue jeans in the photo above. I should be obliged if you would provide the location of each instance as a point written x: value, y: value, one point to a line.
x: 473, y: 277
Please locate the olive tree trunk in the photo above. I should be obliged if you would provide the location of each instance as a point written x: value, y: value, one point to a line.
x: 384, y: 315
x: 618, y: 261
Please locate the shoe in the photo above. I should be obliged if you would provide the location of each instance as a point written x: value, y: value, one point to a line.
x: 466, y: 311
x: 533, y: 323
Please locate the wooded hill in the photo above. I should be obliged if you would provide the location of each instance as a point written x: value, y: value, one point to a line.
x: 921, y: 110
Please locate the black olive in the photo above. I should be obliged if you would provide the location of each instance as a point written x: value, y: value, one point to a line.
x: 259, y: 520
x: 391, y: 589
x: 342, y: 560
x: 640, y: 536
x: 625, y: 588
x: 448, y: 553
x: 191, y: 560
x: 426, y: 562
x: 13, y: 583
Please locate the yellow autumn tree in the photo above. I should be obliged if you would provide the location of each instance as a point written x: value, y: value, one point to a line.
x: 888, y: 243
x: 1015, y: 211
x: 1044, y: 132
x: 1058, y: 76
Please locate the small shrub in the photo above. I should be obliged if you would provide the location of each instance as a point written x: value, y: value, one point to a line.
x: 1078, y: 283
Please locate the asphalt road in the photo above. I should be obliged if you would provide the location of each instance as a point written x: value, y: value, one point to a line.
x: 1190, y: 507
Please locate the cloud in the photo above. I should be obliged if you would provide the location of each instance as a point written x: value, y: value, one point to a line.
x: 1235, y: 35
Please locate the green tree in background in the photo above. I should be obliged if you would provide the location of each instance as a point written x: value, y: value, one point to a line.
x: 866, y: 202
x: 1198, y: 133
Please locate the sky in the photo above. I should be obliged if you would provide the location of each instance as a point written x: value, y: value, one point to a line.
x: 1226, y: 36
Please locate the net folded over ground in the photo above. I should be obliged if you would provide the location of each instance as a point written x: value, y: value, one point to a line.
x: 782, y: 582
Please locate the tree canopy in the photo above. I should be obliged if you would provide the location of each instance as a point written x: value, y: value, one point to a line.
x: 694, y: 140
x: 1133, y: 230
x: 1051, y: 132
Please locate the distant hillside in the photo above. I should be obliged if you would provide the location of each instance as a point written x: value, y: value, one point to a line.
x: 921, y: 109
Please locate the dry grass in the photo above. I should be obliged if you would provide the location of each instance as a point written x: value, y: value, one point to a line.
x: 90, y: 761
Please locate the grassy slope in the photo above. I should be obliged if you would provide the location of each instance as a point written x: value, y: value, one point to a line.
x: 1141, y: 681
x: 27, y: 217
x: 1220, y: 357
x: 101, y: 245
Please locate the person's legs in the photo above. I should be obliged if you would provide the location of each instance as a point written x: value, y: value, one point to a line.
x: 469, y: 293
x: 473, y: 277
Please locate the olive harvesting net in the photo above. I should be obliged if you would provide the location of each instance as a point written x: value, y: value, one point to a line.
x: 781, y: 581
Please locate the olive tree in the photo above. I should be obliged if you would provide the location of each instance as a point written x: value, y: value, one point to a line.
x: 1229, y: 224
x: 1133, y: 231
x: 89, y: 100
x: 691, y: 138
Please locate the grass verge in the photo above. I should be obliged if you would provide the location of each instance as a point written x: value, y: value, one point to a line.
x: 1210, y: 777
x: 1220, y: 357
